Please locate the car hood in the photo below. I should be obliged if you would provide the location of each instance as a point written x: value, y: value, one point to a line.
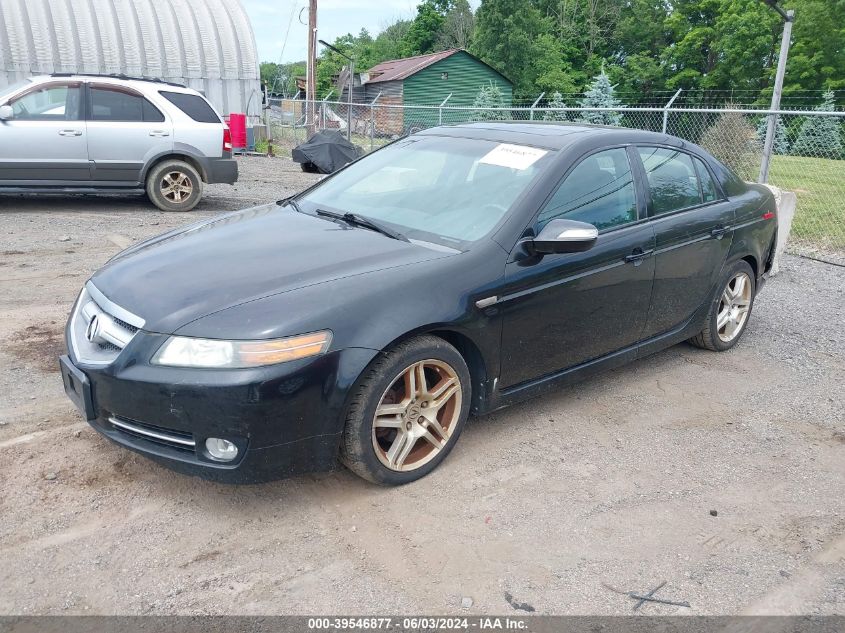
x: 176, y: 278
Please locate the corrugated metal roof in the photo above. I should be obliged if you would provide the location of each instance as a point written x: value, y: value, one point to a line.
x: 207, y: 44
x: 401, y: 68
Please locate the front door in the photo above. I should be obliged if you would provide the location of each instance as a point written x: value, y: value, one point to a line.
x: 562, y: 310
x: 692, y: 225
x: 45, y: 142
x: 125, y: 131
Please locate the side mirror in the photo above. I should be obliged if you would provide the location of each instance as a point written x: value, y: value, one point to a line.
x: 6, y: 112
x: 565, y: 236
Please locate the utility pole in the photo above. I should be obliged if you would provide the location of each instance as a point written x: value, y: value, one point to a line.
x: 351, y: 82
x: 788, y: 19
x: 311, y: 73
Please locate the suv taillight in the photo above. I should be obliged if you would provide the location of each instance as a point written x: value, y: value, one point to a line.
x: 227, y: 140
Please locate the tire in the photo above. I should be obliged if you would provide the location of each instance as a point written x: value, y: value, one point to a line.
x: 379, y: 452
x: 719, y: 337
x: 167, y: 174
x: 309, y: 168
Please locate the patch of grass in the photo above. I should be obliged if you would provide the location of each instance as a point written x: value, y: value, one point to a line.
x: 819, y: 184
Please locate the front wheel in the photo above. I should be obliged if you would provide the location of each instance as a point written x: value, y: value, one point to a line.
x: 407, y: 412
x: 729, y: 310
x: 174, y: 185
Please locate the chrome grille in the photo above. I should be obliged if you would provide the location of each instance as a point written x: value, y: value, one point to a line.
x: 99, y: 329
x: 180, y: 440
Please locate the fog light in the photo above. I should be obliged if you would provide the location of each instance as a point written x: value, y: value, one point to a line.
x: 220, y: 449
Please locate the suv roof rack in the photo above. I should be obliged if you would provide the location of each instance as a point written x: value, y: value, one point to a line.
x: 120, y: 76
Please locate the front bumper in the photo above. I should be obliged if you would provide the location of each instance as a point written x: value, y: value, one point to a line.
x: 285, y: 419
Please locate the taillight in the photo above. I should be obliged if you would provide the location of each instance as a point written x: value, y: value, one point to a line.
x: 227, y: 140
x: 768, y: 215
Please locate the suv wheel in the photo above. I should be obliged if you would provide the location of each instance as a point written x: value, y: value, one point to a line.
x: 729, y: 310
x: 407, y: 412
x: 174, y: 185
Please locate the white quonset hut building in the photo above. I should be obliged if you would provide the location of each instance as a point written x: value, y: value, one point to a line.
x: 206, y: 44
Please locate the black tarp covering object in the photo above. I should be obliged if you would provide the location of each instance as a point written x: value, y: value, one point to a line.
x: 325, y: 152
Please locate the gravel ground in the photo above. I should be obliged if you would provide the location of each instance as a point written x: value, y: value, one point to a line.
x: 607, y: 483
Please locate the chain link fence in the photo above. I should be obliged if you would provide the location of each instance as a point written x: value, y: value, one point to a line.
x: 808, y: 148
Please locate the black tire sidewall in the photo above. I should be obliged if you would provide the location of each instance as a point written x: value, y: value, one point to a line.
x: 377, y: 382
x: 154, y: 192
x: 730, y: 272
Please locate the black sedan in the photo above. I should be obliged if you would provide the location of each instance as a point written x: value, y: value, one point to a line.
x: 455, y: 271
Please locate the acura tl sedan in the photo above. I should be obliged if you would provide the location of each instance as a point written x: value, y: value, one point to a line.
x: 455, y: 271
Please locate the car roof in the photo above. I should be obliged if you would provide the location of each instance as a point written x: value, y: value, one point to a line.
x: 552, y: 135
x: 141, y: 84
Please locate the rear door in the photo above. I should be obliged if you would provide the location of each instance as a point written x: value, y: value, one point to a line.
x: 562, y: 310
x: 692, y: 223
x: 125, y: 131
x: 45, y: 141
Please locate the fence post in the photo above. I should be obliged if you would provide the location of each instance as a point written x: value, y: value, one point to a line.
x: 440, y: 110
x: 373, y: 120
x: 773, y: 118
x: 666, y: 109
x: 534, y: 105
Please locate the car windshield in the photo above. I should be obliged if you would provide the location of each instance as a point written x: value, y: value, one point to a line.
x: 12, y: 89
x: 445, y: 190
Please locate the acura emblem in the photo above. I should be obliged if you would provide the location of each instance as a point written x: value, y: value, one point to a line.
x: 92, y: 330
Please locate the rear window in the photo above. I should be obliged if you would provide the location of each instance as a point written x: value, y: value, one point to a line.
x: 193, y: 105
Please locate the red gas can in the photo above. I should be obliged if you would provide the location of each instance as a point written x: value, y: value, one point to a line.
x: 237, y: 124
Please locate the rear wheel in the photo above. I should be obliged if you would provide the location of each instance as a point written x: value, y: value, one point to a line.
x: 407, y: 413
x: 729, y: 311
x: 174, y: 185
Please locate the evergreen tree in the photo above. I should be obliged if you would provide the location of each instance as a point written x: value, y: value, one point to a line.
x: 600, y: 95
x: 820, y: 135
x: 555, y: 102
x: 781, y: 142
x: 489, y: 96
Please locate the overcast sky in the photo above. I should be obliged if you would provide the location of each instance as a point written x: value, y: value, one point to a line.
x: 270, y: 20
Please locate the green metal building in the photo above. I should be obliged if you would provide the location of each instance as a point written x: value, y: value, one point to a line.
x: 427, y: 80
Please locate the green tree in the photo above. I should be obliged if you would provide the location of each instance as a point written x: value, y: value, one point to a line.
x: 458, y: 26
x: 426, y: 28
x: 817, y: 56
x: 781, y: 140
x: 555, y: 102
x: 489, y: 96
x: 506, y: 37
x: 268, y: 71
x: 600, y: 95
x: 820, y: 135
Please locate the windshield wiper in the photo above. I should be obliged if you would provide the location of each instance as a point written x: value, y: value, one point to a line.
x: 292, y: 202
x: 359, y: 220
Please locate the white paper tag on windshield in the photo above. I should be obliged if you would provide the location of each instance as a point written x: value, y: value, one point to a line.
x: 513, y: 156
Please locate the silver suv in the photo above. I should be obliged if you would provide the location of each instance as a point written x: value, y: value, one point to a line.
x: 109, y: 134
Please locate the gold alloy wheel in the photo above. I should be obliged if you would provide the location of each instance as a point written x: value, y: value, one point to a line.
x: 176, y: 186
x: 734, y: 305
x: 417, y: 415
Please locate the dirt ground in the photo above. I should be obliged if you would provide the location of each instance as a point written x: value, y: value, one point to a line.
x: 542, y: 506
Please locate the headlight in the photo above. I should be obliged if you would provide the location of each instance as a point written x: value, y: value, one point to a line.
x: 181, y: 351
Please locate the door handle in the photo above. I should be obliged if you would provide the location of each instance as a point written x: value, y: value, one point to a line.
x: 159, y: 133
x: 70, y: 132
x: 719, y: 232
x: 638, y: 256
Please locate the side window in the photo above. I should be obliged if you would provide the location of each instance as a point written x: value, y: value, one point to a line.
x: 708, y: 187
x: 600, y: 191
x: 671, y: 179
x: 114, y: 104
x: 50, y: 103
